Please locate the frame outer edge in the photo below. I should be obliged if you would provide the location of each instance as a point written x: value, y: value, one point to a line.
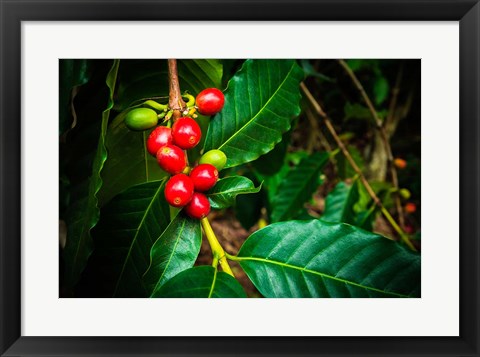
x: 10, y: 181
x: 10, y: 176
x: 469, y: 176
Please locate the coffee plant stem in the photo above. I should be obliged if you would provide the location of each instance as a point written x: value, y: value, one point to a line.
x: 355, y: 167
x: 219, y: 254
x: 175, y: 101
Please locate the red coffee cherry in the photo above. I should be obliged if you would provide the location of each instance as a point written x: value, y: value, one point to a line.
x: 186, y: 133
x: 204, y: 177
x: 198, y: 207
x: 172, y: 159
x: 179, y: 190
x: 159, y: 137
x: 210, y: 101
x: 410, y: 207
x: 400, y: 163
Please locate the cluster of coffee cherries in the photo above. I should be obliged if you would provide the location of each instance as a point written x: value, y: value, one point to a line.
x: 186, y: 186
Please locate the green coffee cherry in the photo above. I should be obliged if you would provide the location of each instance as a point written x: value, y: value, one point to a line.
x: 404, y: 193
x: 214, y: 157
x: 141, y: 119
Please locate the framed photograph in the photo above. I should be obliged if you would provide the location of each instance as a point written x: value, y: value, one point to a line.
x: 239, y: 178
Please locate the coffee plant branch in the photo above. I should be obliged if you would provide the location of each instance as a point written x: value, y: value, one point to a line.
x: 355, y: 167
x: 175, y: 101
x: 383, y: 134
x: 177, y: 104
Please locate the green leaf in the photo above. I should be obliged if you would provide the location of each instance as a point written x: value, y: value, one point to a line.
x: 351, y: 203
x: 223, y: 194
x: 260, y: 102
x: 201, y: 282
x: 339, y: 204
x: 297, y: 187
x: 321, y: 259
x: 129, y: 162
x: 128, y: 228
x: 149, y: 78
x: 73, y: 72
x: 380, y: 90
x: 173, y: 252
x: 83, y: 213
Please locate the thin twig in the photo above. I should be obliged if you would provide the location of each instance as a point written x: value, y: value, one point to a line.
x: 383, y: 133
x: 376, y: 119
x: 393, y: 171
x: 346, y: 153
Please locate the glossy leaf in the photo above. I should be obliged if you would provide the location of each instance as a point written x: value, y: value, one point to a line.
x: 260, y: 102
x: 297, y: 187
x: 83, y: 213
x: 129, y: 162
x: 201, y: 282
x: 173, y: 252
x: 223, y: 194
x: 339, y: 204
x: 129, y: 225
x: 322, y: 259
x: 149, y: 78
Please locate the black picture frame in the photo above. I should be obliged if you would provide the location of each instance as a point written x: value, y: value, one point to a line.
x: 467, y: 12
